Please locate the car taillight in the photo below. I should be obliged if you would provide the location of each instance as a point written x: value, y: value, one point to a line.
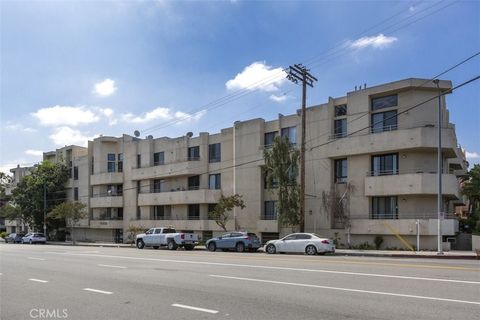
x: 326, y: 241
x: 182, y: 236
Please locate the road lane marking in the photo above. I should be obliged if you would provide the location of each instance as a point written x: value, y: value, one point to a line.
x: 33, y: 258
x: 194, y: 308
x: 111, y: 266
x: 345, y: 289
x: 97, y: 291
x: 38, y: 280
x: 283, y: 268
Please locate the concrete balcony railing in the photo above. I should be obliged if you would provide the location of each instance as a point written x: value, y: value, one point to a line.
x: 424, y: 137
x: 175, y: 169
x: 179, y: 197
x: 428, y: 227
x: 200, y: 225
x: 106, y: 224
x: 420, y: 183
x: 106, y: 202
x: 106, y: 178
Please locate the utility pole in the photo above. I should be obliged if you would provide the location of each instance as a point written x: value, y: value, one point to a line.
x: 296, y: 73
x: 439, y: 173
x: 45, y: 210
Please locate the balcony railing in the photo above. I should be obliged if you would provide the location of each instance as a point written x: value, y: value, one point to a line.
x: 163, y: 163
x: 176, y: 189
x: 193, y: 217
x: 269, y: 216
x: 106, y: 217
x: 376, y: 173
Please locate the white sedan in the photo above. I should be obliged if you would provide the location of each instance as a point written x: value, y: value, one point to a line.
x: 34, y: 238
x: 308, y: 243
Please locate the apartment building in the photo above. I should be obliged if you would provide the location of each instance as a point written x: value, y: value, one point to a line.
x: 367, y: 151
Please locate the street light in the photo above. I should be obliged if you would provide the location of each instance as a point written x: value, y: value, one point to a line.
x: 439, y: 173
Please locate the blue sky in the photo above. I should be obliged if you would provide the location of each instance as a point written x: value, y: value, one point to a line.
x: 72, y: 70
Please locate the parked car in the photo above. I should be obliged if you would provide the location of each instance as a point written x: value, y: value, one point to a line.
x: 156, y: 237
x: 34, y: 238
x: 238, y: 241
x: 14, y: 238
x: 308, y: 243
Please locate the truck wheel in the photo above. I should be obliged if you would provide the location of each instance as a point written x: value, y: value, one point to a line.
x: 212, y: 246
x: 172, y: 245
x: 140, y: 244
x: 156, y: 247
x: 189, y: 247
x: 240, y: 247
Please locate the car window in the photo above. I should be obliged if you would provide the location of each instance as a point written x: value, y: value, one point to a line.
x: 150, y: 231
x: 303, y: 236
x: 169, y: 230
x: 319, y: 236
x: 253, y: 235
x: 236, y: 234
x: 226, y: 235
x: 157, y: 231
x: 290, y: 237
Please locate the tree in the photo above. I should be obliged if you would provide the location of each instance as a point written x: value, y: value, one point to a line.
x: 12, y: 213
x: 471, y: 188
x: 5, y: 181
x: 28, y: 196
x: 69, y: 211
x: 281, y: 169
x: 221, y: 211
x: 133, y: 231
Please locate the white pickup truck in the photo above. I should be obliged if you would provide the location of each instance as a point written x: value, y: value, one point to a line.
x: 156, y: 237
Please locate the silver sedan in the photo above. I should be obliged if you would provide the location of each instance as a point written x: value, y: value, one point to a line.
x: 308, y: 243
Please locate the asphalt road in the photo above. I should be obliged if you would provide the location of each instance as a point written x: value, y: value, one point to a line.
x: 58, y: 282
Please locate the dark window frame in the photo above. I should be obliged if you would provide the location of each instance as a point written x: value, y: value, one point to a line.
x: 340, y: 131
x: 341, y: 110
x: 267, y: 215
x: 269, y: 138
x: 217, y: 183
x: 287, y: 132
x: 339, y: 174
x: 159, y: 158
x: 384, y: 102
x: 193, y: 153
x: 382, y: 170
x: 379, y: 203
x: 193, y: 212
x: 214, y: 152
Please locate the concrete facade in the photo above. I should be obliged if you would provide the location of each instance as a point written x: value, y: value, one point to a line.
x: 128, y: 181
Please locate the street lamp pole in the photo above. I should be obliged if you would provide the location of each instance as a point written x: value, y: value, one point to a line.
x: 439, y: 173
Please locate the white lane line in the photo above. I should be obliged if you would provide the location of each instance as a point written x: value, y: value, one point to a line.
x: 97, y: 291
x: 33, y: 258
x: 194, y: 308
x: 95, y: 251
x: 279, y: 268
x: 345, y: 289
x: 38, y: 280
x: 111, y: 266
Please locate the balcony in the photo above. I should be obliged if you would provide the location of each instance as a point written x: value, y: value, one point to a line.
x: 106, y: 202
x: 179, y: 197
x: 174, y: 169
x: 196, y: 225
x: 416, y: 183
x: 428, y: 227
x: 418, y: 137
x: 106, y: 178
x: 106, y: 224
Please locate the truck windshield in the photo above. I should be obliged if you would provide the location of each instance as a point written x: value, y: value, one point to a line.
x: 167, y: 230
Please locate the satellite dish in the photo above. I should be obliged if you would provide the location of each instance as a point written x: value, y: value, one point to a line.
x: 189, y: 134
x: 136, y: 133
x: 149, y: 136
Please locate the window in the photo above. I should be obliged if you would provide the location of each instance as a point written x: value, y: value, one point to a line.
x: 384, y: 208
x: 139, y: 187
x: 384, y: 121
x: 75, y: 173
x: 119, y: 213
x: 214, y: 152
x: 194, y: 153
x: 386, y: 164
x: 193, y: 212
x: 270, y: 210
x: 341, y: 110
x: 157, y: 185
x: 265, y: 181
x: 211, y: 207
x: 193, y: 183
x: 340, y: 128
x: 290, y: 133
x: 111, y: 162
x: 384, y: 102
x: 120, y: 162
x: 158, y: 231
x: 119, y: 189
x: 139, y: 160
x: 162, y: 212
x: 158, y: 158
x: 269, y: 137
x: 75, y: 194
x: 303, y: 236
x: 214, y: 181
x: 341, y: 170
x: 93, y: 165
x: 139, y: 213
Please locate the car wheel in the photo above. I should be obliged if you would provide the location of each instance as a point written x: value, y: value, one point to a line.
x: 156, y: 247
x: 188, y: 247
x: 311, y: 250
x: 140, y: 244
x: 271, y: 249
x: 212, y: 246
x: 171, y: 245
x: 240, y: 247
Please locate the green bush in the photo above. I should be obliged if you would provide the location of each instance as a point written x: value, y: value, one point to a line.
x: 364, y: 246
x: 378, y: 242
x: 3, y: 234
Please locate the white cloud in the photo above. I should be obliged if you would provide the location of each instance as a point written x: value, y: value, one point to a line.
x: 278, y: 98
x: 32, y: 152
x: 379, y: 42
x: 105, y: 88
x: 66, y: 136
x: 258, y: 76
x: 472, y: 155
x: 162, y: 113
x: 65, y: 115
